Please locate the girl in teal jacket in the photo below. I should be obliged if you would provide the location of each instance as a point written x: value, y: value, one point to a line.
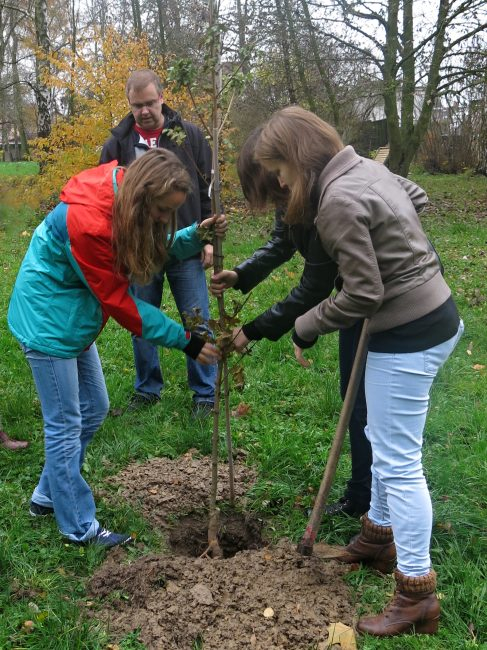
x: 112, y: 227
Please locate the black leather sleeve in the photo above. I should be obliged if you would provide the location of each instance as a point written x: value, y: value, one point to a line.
x: 316, y: 284
x: 279, y: 249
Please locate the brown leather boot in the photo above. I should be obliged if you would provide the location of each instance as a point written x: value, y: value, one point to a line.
x: 374, y: 545
x: 13, y: 445
x: 414, y: 608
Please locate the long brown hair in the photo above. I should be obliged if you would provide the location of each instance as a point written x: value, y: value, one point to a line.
x: 258, y: 185
x: 304, y: 142
x: 140, y: 243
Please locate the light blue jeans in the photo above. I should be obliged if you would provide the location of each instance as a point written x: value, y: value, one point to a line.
x: 397, y: 389
x: 187, y: 281
x: 74, y: 403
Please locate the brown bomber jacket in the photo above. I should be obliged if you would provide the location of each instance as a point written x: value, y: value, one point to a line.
x: 368, y: 223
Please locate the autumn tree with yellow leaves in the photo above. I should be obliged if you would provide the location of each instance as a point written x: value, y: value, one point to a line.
x: 94, y: 79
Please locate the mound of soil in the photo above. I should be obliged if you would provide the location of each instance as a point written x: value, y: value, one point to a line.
x: 162, y: 487
x: 270, y: 599
x: 260, y: 598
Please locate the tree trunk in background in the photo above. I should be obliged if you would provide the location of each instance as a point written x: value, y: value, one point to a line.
x: 390, y: 88
x: 325, y: 78
x: 298, y: 58
x: 286, y: 54
x: 408, y: 70
x: 161, y: 12
x: 136, y: 17
x: 42, y: 69
x: 411, y: 145
x: 242, y: 41
x: 24, y: 146
x: 73, y: 25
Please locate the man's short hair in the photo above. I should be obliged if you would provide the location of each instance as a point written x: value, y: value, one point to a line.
x: 140, y: 79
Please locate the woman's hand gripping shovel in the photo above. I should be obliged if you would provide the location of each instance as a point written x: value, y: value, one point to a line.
x: 305, y: 546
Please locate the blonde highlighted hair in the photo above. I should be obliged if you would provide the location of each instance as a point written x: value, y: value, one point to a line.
x: 140, y: 243
x: 306, y: 143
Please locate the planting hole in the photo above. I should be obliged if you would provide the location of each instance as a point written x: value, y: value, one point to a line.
x: 238, y: 532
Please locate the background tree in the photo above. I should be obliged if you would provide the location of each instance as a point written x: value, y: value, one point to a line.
x: 412, y: 46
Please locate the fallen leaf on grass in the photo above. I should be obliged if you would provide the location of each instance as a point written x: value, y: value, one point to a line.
x: 471, y: 629
x: 116, y: 413
x: 478, y: 366
x: 341, y: 634
x: 241, y: 411
x: 27, y: 626
x: 444, y: 526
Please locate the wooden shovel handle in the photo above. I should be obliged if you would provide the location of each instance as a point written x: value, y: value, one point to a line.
x: 305, y: 546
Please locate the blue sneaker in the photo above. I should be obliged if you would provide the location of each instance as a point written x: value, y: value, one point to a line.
x: 36, y: 510
x: 108, y: 539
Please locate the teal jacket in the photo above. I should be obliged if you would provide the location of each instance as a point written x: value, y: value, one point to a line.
x: 67, y: 286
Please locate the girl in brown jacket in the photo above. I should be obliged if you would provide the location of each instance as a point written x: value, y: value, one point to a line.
x: 367, y: 220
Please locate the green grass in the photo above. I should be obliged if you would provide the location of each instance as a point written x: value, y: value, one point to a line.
x: 287, y: 435
x: 25, y: 168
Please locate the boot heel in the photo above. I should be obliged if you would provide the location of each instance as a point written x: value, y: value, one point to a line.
x: 427, y: 627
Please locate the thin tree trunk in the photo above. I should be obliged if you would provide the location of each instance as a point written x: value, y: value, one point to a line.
x: 408, y: 73
x: 325, y: 78
x: 286, y: 54
x: 390, y: 84
x: 298, y: 58
x: 42, y: 69
x: 71, y: 91
x: 136, y: 17
x: 24, y: 146
x: 242, y: 41
x: 162, y: 28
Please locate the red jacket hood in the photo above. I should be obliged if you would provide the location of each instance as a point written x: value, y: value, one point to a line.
x: 93, y: 187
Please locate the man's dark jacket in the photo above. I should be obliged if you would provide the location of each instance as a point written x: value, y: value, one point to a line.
x: 194, y: 153
x: 316, y: 283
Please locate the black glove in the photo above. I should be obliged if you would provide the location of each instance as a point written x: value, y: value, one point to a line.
x: 195, y: 345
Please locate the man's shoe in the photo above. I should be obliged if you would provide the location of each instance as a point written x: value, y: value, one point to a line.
x: 108, y: 539
x: 141, y: 400
x: 36, y: 510
x: 345, y: 506
x: 12, y: 445
x: 202, y: 410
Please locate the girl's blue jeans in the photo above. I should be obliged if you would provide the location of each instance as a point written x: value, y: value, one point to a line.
x: 74, y: 403
x: 397, y: 389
